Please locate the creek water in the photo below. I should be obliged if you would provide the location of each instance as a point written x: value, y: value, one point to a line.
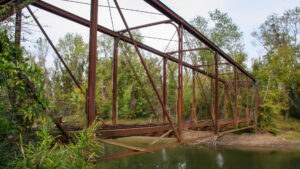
x: 197, y: 157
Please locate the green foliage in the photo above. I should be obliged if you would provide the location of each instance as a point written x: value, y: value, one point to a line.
x: 274, y: 131
x: 4, y: 9
x: 47, y: 153
x: 74, y: 51
x: 18, y: 105
x: 8, y: 24
x: 224, y: 33
x: 277, y: 71
x: 13, y: 68
x: 287, y: 125
x: 67, y: 97
x: 294, y: 137
x: 172, y: 90
x: 20, y: 109
x: 129, y: 88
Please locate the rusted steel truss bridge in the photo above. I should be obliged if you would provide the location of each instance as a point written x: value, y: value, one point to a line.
x: 227, y: 90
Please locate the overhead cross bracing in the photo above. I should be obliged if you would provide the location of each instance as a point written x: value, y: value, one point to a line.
x: 224, y: 95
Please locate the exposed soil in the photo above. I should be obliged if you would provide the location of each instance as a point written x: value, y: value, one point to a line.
x: 236, y: 141
x: 248, y: 140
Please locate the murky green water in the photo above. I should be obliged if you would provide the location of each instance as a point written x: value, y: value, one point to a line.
x: 195, y: 157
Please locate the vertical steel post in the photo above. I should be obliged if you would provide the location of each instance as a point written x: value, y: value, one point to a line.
x: 247, y: 107
x: 92, y: 63
x: 165, y: 87
x: 257, y: 103
x: 224, y: 112
x: 211, y: 100
x: 139, y: 82
x: 216, y: 93
x: 18, y: 26
x: 115, y: 81
x: 146, y: 69
x: 180, y: 92
x: 194, y: 99
x: 235, y: 98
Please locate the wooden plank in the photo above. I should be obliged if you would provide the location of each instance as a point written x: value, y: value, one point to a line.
x: 131, y: 131
x: 162, y: 136
x: 120, y: 144
x: 123, y: 130
x: 119, y: 132
x: 130, y: 153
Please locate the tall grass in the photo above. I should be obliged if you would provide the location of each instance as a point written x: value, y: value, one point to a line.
x: 49, y: 153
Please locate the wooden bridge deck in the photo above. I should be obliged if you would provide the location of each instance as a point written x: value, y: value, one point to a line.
x: 153, y: 129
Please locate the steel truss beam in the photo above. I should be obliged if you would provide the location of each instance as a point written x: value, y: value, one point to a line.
x: 67, y: 15
x: 180, y: 21
x: 226, y: 63
x: 182, y: 25
x: 180, y: 82
x: 115, y: 80
x: 145, y: 26
x: 147, y: 71
x: 139, y: 81
x: 55, y: 50
x: 160, y: 7
x: 188, y: 50
x: 91, y: 96
x: 216, y: 94
x: 18, y: 27
x: 11, y: 8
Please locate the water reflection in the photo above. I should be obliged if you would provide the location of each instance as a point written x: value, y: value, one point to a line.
x: 190, y: 157
x: 164, y: 155
x: 182, y: 165
x: 220, y: 160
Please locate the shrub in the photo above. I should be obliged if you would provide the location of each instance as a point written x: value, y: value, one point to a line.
x: 47, y: 153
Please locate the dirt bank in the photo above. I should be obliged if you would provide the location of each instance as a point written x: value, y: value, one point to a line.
x: 239, y: 141
x: 249, y: 140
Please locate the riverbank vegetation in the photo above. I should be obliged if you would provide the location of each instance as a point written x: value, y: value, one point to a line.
x: 277, y: 70
x: 34, y: 95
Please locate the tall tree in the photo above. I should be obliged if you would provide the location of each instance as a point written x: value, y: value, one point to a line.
x: 41, y: 52
x: 74, y: 51
x: 223, y: 32
x: 130, y: 104
x: 277, y: 70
